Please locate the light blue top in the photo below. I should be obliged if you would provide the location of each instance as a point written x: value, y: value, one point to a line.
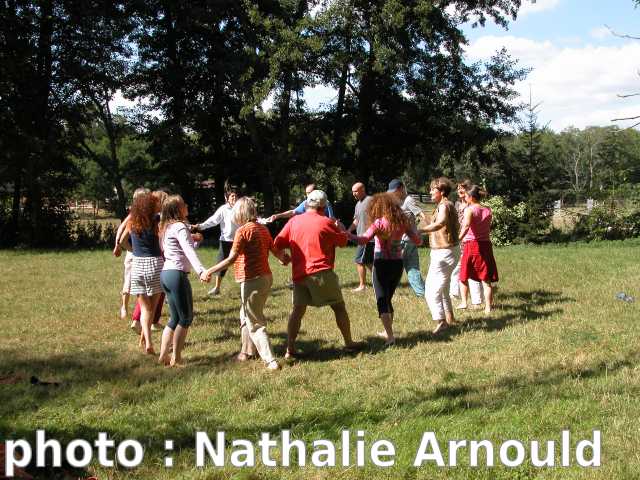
x: 300, y: 209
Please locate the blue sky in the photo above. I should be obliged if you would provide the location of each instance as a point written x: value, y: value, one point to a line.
x: 568, y: 21
x: 579, y: 67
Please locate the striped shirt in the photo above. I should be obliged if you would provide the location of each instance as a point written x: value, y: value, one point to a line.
x: 252, y: 242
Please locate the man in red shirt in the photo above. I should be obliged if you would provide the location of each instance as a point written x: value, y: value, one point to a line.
x: 312, y: 239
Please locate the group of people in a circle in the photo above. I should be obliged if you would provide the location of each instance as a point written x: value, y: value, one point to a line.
x: 387, y: 227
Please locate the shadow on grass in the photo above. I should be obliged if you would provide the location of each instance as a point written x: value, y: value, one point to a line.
x: 448, y: 399
x: 528, y: 306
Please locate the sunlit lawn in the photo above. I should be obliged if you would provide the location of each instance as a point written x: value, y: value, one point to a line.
x: 559, y: 353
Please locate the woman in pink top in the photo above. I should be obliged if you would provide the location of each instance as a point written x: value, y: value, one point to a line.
x: 388, y: 225
x: 477, y: 261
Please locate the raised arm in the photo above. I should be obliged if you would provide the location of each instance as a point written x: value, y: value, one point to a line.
x: 212, y: 221
x: 278, y: 216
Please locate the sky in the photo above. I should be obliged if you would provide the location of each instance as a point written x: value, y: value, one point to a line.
x: 579, y: 67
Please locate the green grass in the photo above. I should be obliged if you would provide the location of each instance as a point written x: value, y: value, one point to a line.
x: 560, y: 352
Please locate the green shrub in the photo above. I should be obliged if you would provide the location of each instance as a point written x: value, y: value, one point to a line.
x: 523, y: 222
x: 93, y: 235
x: 607, y: 223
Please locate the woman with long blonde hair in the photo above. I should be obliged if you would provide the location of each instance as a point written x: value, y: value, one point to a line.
x: 388, y: 224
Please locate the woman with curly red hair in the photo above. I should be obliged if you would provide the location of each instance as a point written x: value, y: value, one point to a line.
x: 147, y: 260
x: 388, y: 224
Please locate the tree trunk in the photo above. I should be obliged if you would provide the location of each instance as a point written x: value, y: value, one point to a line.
x: 41, y: 118
x: 15, y: 207
x: 266, y: 178
x: 283, y: 151
x: 338, y: 144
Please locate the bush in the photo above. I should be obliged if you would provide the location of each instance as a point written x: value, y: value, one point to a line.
x: 523, y: 222
x: 607, y: 223
x: 93, y: 234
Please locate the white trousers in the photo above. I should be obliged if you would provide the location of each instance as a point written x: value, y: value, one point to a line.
x: 475, y: 288
x: 436, y: 286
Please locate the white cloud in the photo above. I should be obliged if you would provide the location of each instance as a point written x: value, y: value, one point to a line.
x: 577, y: 85
x: 536, y: 6
x: 600, y: 33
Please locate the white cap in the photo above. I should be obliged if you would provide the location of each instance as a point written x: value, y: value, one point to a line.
x: 317, y: 199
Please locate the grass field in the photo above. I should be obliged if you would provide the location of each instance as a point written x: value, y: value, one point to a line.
x: 559, y: 353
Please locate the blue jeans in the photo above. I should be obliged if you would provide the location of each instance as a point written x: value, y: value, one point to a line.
x: 411, y: 262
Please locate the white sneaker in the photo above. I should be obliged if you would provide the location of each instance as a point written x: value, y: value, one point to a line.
x: 214, y: 291
x: 136, y: 327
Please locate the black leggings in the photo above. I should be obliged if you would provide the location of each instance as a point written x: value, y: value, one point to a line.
x: 386, y: 277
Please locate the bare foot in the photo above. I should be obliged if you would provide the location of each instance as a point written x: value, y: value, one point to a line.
x: 243, y: 357
x: 441, y: 327
x: 291, y: 354
x: 164, y: 360
x: 149, y: 350
x: 359, y: 288
x: 462, y: 306
x: 123, y: 312
x: 176, y: 363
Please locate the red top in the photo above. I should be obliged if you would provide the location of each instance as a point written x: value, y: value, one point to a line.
x: 312, y: 240
x: 252, y: 241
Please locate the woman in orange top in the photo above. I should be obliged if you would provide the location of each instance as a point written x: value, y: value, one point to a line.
x: 250, y: 256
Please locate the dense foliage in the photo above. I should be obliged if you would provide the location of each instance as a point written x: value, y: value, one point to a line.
x: 407, y: 103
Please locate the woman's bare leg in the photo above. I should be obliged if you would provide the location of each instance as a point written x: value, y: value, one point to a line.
x: 147, y: 306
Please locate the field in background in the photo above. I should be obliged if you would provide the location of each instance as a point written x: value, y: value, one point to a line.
x: 560, y: 352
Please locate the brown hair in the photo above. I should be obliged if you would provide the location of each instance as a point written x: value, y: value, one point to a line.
x: 476, y: 192
x: 171, y: 211
x: 230, y: 188
x: 161, y: 196
x: 143, y: 213
x: 385, y: 205
x: 443, y: 185
x: 466, y: 184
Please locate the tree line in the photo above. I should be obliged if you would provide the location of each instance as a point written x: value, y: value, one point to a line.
x: 407, y: 102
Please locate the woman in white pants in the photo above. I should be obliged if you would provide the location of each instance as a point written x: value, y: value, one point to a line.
x: 445, y: 252
x: 475, y: 288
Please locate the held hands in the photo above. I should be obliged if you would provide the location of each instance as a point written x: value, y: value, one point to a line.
x: 270, y: 219
x: 194, y: 228
x: 285, y: 259
x: 197, y: 237
x: 205, y: 276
